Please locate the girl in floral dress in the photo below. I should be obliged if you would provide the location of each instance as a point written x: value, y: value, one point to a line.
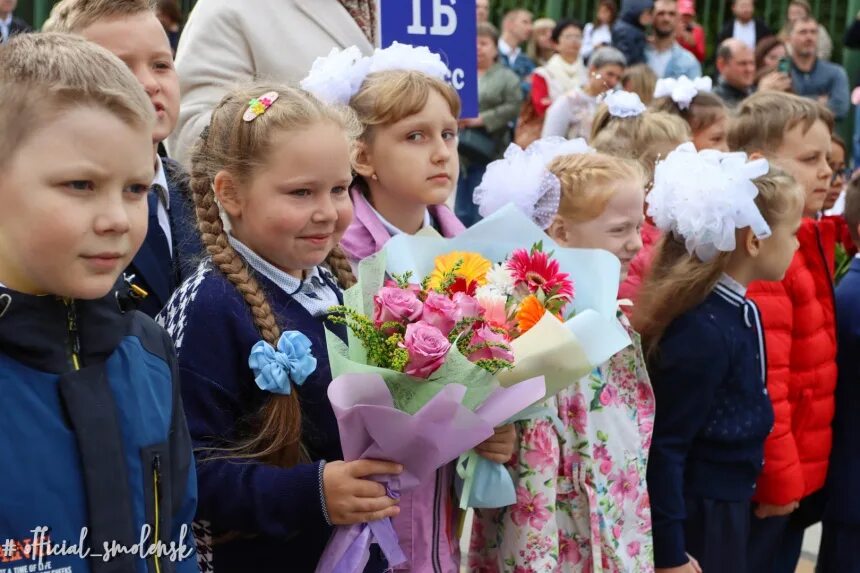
x: 582, y: 503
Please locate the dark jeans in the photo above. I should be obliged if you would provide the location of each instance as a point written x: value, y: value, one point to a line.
x: 464, y: 207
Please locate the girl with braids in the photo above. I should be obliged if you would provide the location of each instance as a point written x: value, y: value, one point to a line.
x: 270, y: 184
x: 582, y: 503
x: 725, y: 224
x: 406, y: 167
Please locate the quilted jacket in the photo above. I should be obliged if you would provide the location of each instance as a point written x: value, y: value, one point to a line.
x: 800, y: 332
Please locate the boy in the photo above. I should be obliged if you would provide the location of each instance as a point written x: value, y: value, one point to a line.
x: 93, y: 435
x: 131, y: 30
x: 841, y: 535
x: 800, y: 329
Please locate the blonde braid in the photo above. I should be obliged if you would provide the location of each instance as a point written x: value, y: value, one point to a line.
x: 280, y: 411
x: 339, y: 265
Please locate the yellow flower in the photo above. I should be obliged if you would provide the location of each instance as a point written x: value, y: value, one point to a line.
x: 529, y: 314
x: 473, y: 268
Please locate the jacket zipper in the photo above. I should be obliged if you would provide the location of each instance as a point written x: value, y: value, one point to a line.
x: 156, y: 480
x: 74, y: 339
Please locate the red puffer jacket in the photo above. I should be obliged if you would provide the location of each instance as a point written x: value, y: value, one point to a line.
x: 800, y: 331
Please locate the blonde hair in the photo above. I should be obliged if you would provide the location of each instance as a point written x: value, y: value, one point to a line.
x: 645, y: 138
x: 43, y: 75
x: 763, y: 119
x: 679, y: 281
x: 588, y: 182
x: 388, y: 97
x: 239, y: 147
x: 74, y: 16
x: 532, y: 48
x: 704, y: 110
x: 641, y: 80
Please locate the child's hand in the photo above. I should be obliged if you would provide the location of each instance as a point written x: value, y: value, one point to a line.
x: 499, y: 448
x: 352, y: 499
x: 764, y: 510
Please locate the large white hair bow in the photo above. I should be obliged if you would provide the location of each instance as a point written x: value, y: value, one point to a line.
x: 337, y: 77
x: 682, y: 90
x: 624, y: 104
x: 703, y: 197
x: 521, y: 177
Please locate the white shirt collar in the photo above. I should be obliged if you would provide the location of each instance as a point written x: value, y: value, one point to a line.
x: 287, y: 282
x: 510, y: 52
x: 161, y: 181
x: 394, y: 231
x: 8, y: 20
x: 732, y: 284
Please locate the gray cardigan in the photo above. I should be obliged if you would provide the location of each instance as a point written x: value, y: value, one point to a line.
x: 499, y: 101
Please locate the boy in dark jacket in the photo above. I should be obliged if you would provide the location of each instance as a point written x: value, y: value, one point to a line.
x: 99, y: 475
x: 628, y: 32
x: 131, y: 30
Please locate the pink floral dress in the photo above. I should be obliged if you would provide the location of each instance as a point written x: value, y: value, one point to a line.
x: 582, y: 503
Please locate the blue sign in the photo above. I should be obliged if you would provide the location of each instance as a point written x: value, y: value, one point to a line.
x: 447, y: 27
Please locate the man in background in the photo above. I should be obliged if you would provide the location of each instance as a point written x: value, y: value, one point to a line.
x: 9, y: 23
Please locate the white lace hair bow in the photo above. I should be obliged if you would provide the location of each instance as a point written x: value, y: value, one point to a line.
x: 682, y: 90
x: 624, y: 104
x: 521, y: 177
x: 703, y: 197
x: 337, y: 77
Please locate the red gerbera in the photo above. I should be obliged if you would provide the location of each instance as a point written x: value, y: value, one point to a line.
x: 538, y: 271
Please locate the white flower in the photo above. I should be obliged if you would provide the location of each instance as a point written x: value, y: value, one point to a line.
x: 624, y: 104
x: 501, y: 279
x: 682, y: 90
x: 705, y: 196
x: 399, y: 56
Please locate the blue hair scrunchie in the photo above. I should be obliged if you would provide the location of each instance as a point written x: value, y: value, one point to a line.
x: 276, y: 370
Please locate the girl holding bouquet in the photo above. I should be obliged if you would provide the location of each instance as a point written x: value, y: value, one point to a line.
x: 582, y: 503
x: 726, y: 223
x: 406, y: 167
x: 270, y: 183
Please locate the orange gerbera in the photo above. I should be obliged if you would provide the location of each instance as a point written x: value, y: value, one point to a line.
x: 473, y: 268
x: 529, y: 314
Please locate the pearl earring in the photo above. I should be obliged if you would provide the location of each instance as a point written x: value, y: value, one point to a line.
x: 374, y: 177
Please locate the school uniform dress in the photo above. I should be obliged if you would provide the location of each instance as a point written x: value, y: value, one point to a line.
x: 713, y: 415
x: 92, y: 436
x: 841, y: 534
x: 254, y: 516
x: 172, y: 247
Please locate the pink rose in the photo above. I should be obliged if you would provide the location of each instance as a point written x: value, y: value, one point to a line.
x: 605, y: 466
x: 467, y: 306
x: 427, y: 348
x: 394, y: 304
x: 633, y: 549
x: 485, y: 335
x: 609, y: 395
x: 439, y: 310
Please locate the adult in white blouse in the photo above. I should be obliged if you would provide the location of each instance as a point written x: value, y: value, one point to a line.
x: 227, y: 42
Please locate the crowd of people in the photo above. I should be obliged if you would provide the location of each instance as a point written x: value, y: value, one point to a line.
x: 183, y: 205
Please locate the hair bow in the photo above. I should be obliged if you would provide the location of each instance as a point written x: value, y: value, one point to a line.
x: 521, y: 177
x: 277, y: 369
x: 703, y: 197
x: 682, y: 90
x: 624, y: 104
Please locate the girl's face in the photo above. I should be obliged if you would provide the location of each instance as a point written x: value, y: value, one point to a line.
x: 294, y: 209
x: 87, y: 204
x: 617, y: 229
x: 569, y: 43
x: 837, y: 180
x: 772, y: 58
x: 412, y: 162
x: 714, y: 136
x: 543, y: 38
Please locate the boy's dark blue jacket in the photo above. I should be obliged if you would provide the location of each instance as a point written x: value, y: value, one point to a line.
x: 154, y: 270
x: 101, y: 444
x: 272, y: 517
x: 713, y: 414
x: 843, y: 501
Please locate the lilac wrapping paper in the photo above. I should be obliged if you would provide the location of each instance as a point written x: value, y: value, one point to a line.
x: 372, y: 428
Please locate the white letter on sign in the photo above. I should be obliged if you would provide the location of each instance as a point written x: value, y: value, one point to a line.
x: 442, y: 12
x: 416, y: 27
x: 458, y: 79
